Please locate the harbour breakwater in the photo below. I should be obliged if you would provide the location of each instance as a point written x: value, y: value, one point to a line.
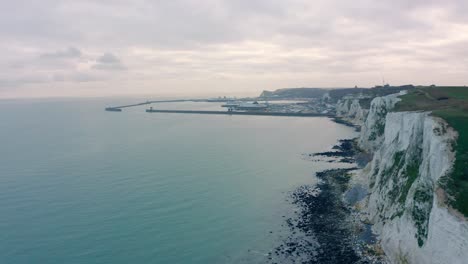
x: 256, y: 113
x: 120, y: 107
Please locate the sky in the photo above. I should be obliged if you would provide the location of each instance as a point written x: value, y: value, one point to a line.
x: 52, y: 48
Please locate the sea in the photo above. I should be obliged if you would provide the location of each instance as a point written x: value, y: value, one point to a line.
x: 82, y: 185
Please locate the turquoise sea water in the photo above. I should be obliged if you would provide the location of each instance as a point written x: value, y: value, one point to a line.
x: 81, y: 185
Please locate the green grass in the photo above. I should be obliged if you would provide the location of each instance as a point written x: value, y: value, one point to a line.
x: 434, y: 98
x: 457, y: 185
x: 421, y: 211
x: 398, y: 162
x: 412, y: 172
x: 457, y: 92
x: 451, y: 104
x: 365, y: 103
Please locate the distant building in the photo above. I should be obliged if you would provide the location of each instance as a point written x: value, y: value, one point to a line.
x: 251, y: 106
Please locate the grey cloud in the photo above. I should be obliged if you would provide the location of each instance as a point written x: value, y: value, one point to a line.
x: 77, y: 77
x: 70, y: 52
x: 108, y: 61
x: 108, y: 58
x: 188, y: 23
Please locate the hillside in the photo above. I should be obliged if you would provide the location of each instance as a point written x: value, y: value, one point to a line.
x: 295, y: 93
x: 334, y: 93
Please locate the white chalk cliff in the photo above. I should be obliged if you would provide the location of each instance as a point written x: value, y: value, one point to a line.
x: 412, y: 151
x: 350, y: 110
x: 373, y: 127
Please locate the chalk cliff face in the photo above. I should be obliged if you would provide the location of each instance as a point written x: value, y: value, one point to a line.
x: 412, y: 151
x: 373, y: 128
x: 351, y: 110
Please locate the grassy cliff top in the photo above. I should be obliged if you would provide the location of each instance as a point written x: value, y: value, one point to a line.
x: 451, y: 104
x: 444, y: 100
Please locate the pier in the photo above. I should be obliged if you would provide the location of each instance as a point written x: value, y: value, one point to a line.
x: 256, y: 113
x: 119, y: 108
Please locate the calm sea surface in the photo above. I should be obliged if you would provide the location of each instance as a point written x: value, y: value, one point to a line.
x: 81, y: 185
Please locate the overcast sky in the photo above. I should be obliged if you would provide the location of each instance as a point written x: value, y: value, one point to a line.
x: 221, y: 47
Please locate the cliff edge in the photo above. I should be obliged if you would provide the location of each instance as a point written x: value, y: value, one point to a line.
x: 415, y: 190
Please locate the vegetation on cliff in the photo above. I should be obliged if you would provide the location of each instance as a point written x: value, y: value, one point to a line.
x: 451, y: 104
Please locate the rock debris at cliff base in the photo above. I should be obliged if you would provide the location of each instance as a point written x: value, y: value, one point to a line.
x: 324, y: 230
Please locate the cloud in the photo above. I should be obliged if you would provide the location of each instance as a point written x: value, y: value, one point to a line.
x: 70, y: 52
x: 176, y: 44
x: 108, y: 58
x: 78, y: 77
x: 108, y: 61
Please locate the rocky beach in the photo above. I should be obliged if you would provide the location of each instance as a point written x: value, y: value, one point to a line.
x: 326, y: 227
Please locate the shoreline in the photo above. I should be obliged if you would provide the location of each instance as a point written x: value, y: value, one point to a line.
x: 345, y: 122
x: 327, y: 228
